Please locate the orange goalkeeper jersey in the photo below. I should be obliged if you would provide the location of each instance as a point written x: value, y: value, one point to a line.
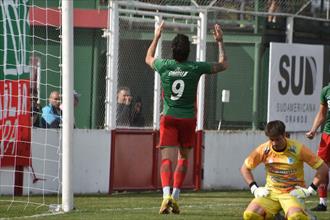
x: 284, y: 170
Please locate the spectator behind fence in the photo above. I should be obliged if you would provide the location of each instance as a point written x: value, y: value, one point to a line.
x: 124, y: 106
x: 76, y: 96
x: 51, y: 113
x: 137, y: 118
x: 273, y: 7
x: 35, y: 108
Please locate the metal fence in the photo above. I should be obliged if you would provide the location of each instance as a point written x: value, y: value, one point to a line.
x: 247, y: 77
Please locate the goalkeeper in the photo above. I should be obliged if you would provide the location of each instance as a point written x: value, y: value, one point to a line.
x: 285, y: 187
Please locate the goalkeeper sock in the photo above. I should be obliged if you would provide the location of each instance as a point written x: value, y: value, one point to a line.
x: 166, y: 172
x: 180, y: 173
x: 247, y: 215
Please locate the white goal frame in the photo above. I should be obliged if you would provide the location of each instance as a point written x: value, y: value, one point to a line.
x: 67, y: 88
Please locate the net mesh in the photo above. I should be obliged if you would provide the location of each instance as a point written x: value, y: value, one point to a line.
x: 30, y: 156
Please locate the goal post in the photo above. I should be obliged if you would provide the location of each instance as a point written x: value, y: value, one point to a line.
x: 67, y: 85
x: 36, y: 51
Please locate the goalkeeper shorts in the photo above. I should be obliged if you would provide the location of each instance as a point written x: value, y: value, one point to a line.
x: 275, y: 202
x: 177, y: 132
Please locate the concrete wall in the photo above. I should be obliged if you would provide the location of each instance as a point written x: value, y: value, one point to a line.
x: 91, y: 163
x: 223, y: 156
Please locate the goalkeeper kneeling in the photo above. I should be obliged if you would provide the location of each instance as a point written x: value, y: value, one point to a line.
x: 285, y: 187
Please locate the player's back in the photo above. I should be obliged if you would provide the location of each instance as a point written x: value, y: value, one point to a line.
x: 180, y: 81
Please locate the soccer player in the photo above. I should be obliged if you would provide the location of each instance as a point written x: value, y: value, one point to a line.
x: 324, y: 148
x: 179, y: 79
x: 285, y: 186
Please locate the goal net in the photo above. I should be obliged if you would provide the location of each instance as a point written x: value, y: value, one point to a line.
x: 30, y: 70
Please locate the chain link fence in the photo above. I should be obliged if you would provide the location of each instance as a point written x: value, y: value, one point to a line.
x: 311, y: 8
x: 243, y: 17
x: 134, y: 75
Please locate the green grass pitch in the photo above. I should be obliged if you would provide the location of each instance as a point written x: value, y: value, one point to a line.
x: 138, y: 205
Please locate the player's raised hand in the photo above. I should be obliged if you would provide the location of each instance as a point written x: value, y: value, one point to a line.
x: 159, y: 30
x: 217, y: 33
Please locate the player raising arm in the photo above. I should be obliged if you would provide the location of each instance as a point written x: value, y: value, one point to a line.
x: 179, y: 78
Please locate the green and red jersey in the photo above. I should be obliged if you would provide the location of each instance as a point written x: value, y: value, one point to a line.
x: 179, y: 82
x: 325, y: 100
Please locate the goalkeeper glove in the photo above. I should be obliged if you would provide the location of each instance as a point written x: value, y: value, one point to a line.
x: 302, y: 193
x: 258, y: 191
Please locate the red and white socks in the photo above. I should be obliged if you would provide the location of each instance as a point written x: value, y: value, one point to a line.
x: 166, y: 176
x: 178, y: 177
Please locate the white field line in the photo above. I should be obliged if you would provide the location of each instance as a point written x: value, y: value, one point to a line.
x: 201, y: 206
x: 34, y: 216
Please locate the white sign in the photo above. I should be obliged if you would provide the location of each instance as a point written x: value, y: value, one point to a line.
x: 295, y: 82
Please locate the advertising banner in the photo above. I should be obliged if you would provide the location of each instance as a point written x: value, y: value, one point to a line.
x: 295, y: 82
x: 15, y: 103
